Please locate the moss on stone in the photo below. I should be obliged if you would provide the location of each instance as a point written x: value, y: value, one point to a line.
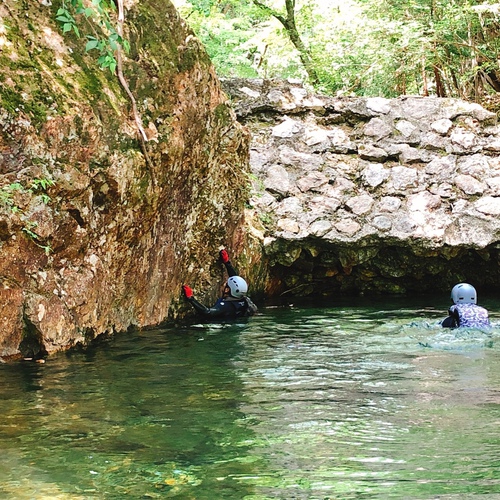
x: 13, y: 102
x: 223, y: 115
x: 143, y: 186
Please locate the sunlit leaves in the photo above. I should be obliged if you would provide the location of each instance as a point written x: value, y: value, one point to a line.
x: 363, y: 47
x: 67, y: 21
x: 101, y: 14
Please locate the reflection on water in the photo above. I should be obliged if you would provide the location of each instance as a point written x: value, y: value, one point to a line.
x: 369, y: 400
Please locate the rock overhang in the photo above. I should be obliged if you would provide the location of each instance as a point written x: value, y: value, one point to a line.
x: 371, y: 194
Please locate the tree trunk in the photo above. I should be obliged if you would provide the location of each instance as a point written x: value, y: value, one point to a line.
x: 290, y: 26
x: 440, y: 88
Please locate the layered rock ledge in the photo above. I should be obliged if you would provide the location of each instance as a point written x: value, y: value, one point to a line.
x: 369, y: 195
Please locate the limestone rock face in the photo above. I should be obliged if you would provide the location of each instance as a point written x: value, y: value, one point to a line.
x: 371, y: 195
x: 99, y: 231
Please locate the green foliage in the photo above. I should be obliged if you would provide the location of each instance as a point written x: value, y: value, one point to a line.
x: 41, y: 186
x: 38, y: 186
x: 453, y: 45
x: 67, y: 21
x: 106, y: 40
x: 361, y: 47
x: 227, y: 30
x: 6, y: 194
x: 29, y: 231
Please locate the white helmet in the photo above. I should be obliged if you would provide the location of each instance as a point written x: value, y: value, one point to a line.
x: 463, y: 293
x: 238, y: 286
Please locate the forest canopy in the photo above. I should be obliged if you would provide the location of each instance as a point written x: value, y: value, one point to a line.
x: 448, y: 48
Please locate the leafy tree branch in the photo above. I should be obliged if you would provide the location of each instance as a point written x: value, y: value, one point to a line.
x: 290, y: 25
x: 110, y: 44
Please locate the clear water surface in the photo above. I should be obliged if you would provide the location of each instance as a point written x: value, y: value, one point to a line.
x: 365, y: 399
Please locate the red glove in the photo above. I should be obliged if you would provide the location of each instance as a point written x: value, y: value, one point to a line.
x: 224, y: 256
x: 188, y: 293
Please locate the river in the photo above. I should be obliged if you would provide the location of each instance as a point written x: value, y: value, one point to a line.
x: 357, y: 399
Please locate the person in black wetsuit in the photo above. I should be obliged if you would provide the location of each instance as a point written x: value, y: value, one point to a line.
x: 234, y: 302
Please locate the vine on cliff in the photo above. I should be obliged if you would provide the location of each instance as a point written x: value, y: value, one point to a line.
x: 108, y: 40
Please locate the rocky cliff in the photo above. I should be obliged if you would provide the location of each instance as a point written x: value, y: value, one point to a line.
x: 98, y: 231
x: 371, y: 195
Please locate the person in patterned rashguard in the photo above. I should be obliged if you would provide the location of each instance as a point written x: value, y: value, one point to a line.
x: 465, y: 312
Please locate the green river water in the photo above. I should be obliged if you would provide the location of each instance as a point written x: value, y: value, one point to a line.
x: 355, y: 400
